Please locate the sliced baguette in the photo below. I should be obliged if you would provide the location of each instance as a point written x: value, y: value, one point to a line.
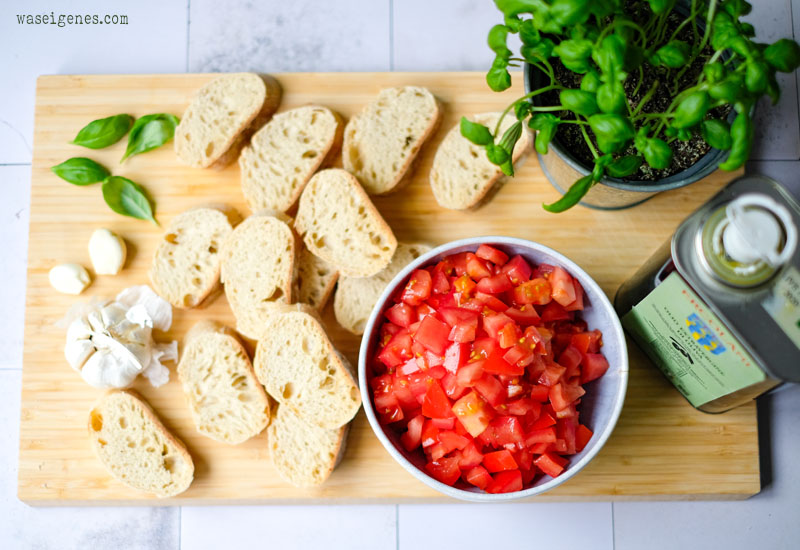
x: 302, y: 370
x: 186, y: 264
x: 136, y: 448
x: 461, y: 176
x: 382, y: 141
x: 285, y: 153
x: 258, y: 263
x: 226, y: 400
x: 304, y: 454
x: 355, y: 298
x: 222, y: 116
x: 340, y: 225
x: 316, y: 280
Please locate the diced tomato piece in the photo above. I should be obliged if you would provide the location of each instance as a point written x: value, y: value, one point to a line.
x: 495, y: 284
x: 431, y: 359
x: 492, y: 302
x: 451, y: 440
x: 470, y: 455
x: 432, y: 333
x: 582, y: 437
x: 493, y: 324
x: 594, y: 365
x: 464, y: 285
x: 477, y: 268
x: 463, y: 333
x: 436, y: 404
x: 545, y: 421
x: 451, y: 386
x: 539, y: 448
x: 490, y: 389
x: 524, y: 407
x: 524, y: 458
x: 499, y: 461
x: 567, y: 432
x: 473, y: 413
x: 551, y: 375
x: 388, y: 408
x: 456, y: 356
x: 483, y: 348
x: 397, y: 351
x: 586, y: 342
x: 402, y: 391
x: 455, y: 316
x: 430, y: 433
x: 559, y: 398
x: 445, y: 470
x: 506, y: 430
x: 536, y: 291
x: 550, y: 464
x: 545, y: 435
x: 568, y: 412
x: 577, y: 305
x: 436, y: 451
x: 424, y: 310
x: 381, y: 384
x: 508, y: 335
x: 402, y: 315
x: 438, y: 372
x: 563, y: 289
x: 555, y: 312
x: 440, y: 282
x: 519, y: 355
x: 419, y: 382
x: 412, y: 438
x: 478, y: 476
x: 559, y: 446
x: 570, y: 358
x: 444, y: 423
x: 505, y: 482
x: 523, y: 315
x: 490, y: 253
x: 469, y: 373
x: 540, y: 393
x: 518, y: 270
x: 495, y: 364
x: 409, y: 367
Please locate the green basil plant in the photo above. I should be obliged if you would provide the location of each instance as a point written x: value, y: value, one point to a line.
x: 609, y: 41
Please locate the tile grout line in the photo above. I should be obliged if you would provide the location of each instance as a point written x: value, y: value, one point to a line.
x: 613, y: 530
x: 188, y: 28
x: 14, y: 164
x: 396, y: 523
x: 391, y: 35
x: 792, y: 15
x: 180, y: 525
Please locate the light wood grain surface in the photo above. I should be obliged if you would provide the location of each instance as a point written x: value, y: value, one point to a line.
x: 662, y: 448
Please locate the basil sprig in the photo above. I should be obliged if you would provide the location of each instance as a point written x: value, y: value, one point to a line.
x: 104, y: 132
x: 150, y: 132
x: 128, y: 198
x: 81, y: 171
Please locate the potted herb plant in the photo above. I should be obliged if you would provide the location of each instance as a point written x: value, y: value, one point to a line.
x: 638, y: 96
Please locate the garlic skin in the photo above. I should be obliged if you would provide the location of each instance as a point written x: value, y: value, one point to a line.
x: 111, y: 342
x: 69, y: 278
x: 107, y: 251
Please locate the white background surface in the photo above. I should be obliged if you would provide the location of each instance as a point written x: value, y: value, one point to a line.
x: 340, y: 35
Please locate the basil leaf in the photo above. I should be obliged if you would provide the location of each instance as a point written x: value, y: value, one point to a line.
x: 573, y: 195
x: 612, y: 131
x: 591, y: 82
x: 691, y: 110
x: 476, y: 133
x: 149, y: 132
x: 611, y: 97
x: 497, y: 39
x: 498, y: 78
x: 546, y: 126
x: 674, y: 55
x: 661, y: 6
x: 570, y: 12
x: 80, y: 171
x: 624, y: 166
x: 103, y: 132
x: 656, y: 152
x: 128, y: 198
x: 717, y: 133
x: 579, y: 101
x: 784, y: 55
x: 496, y: 154
x: 755, y: 76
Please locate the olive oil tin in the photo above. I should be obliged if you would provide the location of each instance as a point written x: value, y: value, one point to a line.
x: 717, y: 308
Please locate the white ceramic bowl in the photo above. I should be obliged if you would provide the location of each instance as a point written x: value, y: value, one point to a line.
x: 599, y: 409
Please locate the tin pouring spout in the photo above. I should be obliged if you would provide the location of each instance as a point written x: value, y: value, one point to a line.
x: 757, y: 227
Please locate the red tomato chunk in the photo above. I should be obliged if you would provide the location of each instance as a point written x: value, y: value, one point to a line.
x: 481, y: 365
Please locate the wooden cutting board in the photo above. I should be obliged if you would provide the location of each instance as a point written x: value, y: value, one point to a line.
x: 662, y: 448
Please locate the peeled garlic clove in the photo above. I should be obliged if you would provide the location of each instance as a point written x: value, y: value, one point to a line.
x: 69, y: 278
x: 107, y: 251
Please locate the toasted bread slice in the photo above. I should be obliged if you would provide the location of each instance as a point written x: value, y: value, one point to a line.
x: 382, y: 141
x: 222, y: 116
x: 136, y: 448
x: 304, y: 454
x: 285, y: 153
x: 461, y: 176
x: 186, y: 264
x: 316, y: 280
x: 355, y: 298
x: 339, y: 224
x: 226, y: 400
x: 302, y: 370
x: 258, y: 263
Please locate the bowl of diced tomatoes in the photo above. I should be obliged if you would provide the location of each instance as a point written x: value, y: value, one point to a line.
x: 493, y: 369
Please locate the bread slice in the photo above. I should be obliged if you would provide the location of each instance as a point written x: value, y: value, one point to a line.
x: 304, y: 454
x: 285, y: 153
x: 339, y: 224
x: 186, y: 264
x: 355, y: 298
x: 382, y: 141
x: 226, y: 400
x: 461, y: 176
x: 316, y: 280
x: 222, y: 116
x: 302, y: 370
x: 136, y: 448
x: 258, y: 263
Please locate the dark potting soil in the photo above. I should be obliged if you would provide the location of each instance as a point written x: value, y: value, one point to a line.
x: 685, y: 153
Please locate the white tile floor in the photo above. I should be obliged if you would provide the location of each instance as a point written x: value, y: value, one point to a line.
x: 335, y: 35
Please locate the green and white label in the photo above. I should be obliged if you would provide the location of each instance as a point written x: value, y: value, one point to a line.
x: 783, y: 304
x: 690, y: 344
